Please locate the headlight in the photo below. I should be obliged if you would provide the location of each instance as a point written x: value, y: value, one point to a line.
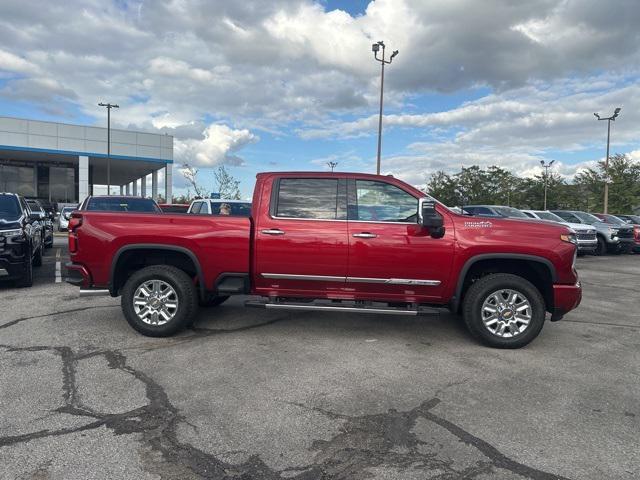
x: 613, y: 231
x: 10, y: 233
x: 569, y: 237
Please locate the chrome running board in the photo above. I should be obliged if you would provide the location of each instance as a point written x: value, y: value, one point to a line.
x: 93, y: 292
x: 384, y: 310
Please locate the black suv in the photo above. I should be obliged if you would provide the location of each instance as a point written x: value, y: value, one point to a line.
x: 21, y: 244
x: 45, y: 220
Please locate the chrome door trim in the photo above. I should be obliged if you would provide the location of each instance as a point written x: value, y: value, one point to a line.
x: 395, y: 281
x: 329, y: 278
x: 313, y: 278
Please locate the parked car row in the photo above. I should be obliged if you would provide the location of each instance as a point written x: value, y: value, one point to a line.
x: 596, y: 234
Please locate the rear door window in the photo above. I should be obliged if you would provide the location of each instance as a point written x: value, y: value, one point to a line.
x: 309, y: 198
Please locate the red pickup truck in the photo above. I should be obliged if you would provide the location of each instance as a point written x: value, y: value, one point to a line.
x: 331, y: 241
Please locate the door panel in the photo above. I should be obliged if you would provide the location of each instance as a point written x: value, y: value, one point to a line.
x: 394, y: 260
x: 301, y: 245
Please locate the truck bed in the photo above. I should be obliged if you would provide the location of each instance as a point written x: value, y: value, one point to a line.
x: 219, y: 244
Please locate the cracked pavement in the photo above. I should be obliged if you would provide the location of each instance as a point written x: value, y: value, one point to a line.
x: 255, y: 394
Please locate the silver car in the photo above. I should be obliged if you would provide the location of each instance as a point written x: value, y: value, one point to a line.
x: 586, y: 234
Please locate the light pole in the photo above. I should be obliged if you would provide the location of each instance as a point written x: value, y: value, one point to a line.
x: 109, y: 107
x: 546, y: 167
x: 616, y: 112
x: 332, y: 165
x: 376, y: 48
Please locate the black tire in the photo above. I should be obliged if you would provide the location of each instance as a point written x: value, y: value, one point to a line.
x: 483, y: 289
x: 601, y: 249
x: 184, y: 289
x: 27, y: 280
x: 37, y: 259
x: 211, y: 300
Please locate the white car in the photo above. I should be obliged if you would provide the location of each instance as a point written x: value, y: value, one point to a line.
x: 63, y: 218
x: 217, y: 206
x: 586, y: 234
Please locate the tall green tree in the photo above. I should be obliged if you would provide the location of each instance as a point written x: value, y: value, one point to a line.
x: 624, y: 184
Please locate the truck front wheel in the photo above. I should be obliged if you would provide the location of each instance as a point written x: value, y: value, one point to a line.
x: 160, y: 300
x: 504, y: 310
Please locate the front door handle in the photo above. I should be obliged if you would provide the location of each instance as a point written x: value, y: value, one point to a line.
x: 273, y: 231
x: 365, y: 235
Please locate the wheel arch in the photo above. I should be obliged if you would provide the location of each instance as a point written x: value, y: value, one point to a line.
x: 173, y: 255
x: 538, y: 270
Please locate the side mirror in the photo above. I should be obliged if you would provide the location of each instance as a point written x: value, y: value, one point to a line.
x: 429, y: 218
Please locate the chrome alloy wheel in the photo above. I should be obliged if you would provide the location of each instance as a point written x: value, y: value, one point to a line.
x: 155, y: 302
x: 506, y: 313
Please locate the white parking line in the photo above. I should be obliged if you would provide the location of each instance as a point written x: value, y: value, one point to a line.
x: 58, y: 267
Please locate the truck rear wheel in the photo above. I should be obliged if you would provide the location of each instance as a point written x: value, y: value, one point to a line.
x: 504, y: 310
x: 160, y: 300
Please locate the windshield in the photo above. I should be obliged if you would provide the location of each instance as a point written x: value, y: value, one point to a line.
x: 510, y: 212
x: 123, y: 205
x: 612, y: 219
x: 35, y: 207
x: 632, y: 218
x: 9, y: 208
x: 587, y: 217
x: 549, y: 216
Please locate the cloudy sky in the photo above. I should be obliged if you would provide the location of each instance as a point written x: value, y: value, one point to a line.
x: 292, y: 84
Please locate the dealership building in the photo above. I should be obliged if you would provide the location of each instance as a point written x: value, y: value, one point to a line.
x: 62, y: 162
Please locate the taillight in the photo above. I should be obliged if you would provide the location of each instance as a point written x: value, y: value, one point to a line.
x: 74, y: 222
x: 636, y: 232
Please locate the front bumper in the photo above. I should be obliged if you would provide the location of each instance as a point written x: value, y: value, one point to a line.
x: 12, y: 270
x: 565, y: 299
x: 587, y: 245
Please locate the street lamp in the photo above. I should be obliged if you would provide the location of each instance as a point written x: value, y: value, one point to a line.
x: 376, y: 47
x: 109, y: 107
x: 616, y: 112
x: 546, y: 167
x: 332, y: 165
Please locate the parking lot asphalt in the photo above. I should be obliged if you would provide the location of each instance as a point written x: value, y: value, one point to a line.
x: 254, y: 394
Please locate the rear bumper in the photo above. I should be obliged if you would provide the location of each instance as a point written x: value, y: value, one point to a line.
x: 565, y: 299
x: 78, y: 275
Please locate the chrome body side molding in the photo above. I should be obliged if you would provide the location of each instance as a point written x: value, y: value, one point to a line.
x: 328, y: 278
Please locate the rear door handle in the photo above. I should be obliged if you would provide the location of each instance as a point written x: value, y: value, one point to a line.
x: 273, y: 231
x: 365, y: 235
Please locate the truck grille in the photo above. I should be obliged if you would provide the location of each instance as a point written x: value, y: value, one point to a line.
x: 625, y: 233
x: 586, y: 236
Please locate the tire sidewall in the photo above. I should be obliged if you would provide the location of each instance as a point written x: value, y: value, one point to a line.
x: 182, y: 285
x: 478, y: 293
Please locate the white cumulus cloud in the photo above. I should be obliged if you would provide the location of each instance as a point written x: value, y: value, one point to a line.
x: 218, y: 145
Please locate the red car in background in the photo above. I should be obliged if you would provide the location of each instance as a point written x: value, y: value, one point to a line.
x: 174, y: 207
